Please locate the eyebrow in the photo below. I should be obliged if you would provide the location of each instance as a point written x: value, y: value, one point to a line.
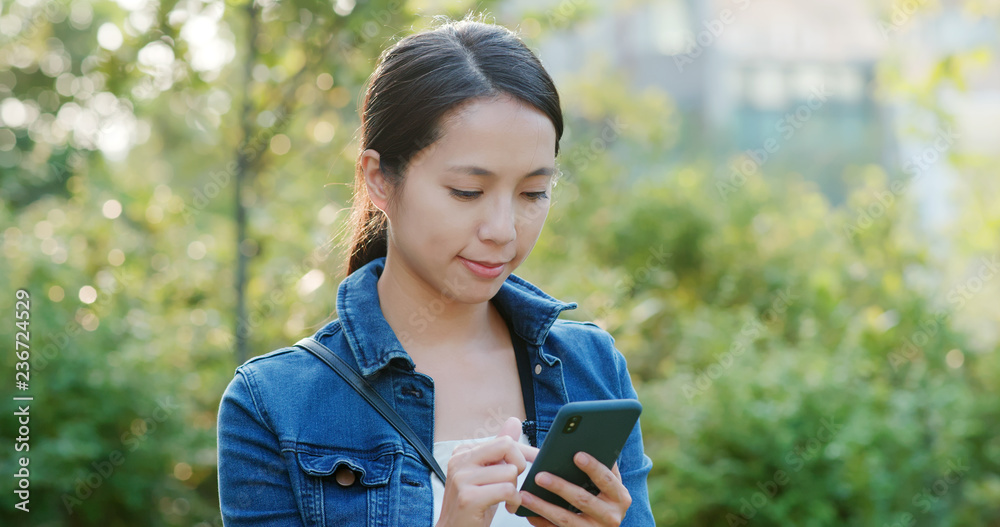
x: 479, y: 171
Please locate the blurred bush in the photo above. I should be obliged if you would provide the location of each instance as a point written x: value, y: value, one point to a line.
x: 799, y: 364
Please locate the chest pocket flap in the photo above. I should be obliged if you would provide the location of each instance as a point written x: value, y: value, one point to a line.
x: 374, y: 468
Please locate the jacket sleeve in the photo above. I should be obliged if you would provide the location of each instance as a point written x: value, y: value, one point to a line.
x: 634, y: 464
x: 254, y: 485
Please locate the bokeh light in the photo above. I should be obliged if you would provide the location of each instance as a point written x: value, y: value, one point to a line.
x: 56, y: 293
x: 111, y: 209
x: 87, y: 294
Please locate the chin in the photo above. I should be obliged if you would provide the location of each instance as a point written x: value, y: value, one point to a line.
x: 470, y: 290
x: 478, y: 293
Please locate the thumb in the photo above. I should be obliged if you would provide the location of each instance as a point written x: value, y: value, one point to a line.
x: 511, y: 428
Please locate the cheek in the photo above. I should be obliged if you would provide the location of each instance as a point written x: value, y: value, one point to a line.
x: 437, y: 220
x: 528, y: 230
x: 531, y: 219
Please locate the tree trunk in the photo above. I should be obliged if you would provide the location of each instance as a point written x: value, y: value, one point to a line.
x: 242, y: 328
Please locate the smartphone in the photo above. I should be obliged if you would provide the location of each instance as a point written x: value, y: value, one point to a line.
x: 599, y: 428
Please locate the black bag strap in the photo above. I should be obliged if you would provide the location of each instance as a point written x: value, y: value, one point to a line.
x: 530, y: 425
x: 362, y: 387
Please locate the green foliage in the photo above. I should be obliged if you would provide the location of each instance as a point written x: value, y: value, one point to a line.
x: 798, y: 363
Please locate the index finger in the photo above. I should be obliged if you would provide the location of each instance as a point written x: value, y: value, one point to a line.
x: 499, y: 450
x: 529, y: 452
x: 509, y: 449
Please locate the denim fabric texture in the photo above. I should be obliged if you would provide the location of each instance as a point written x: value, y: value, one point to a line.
x: 299, y: 447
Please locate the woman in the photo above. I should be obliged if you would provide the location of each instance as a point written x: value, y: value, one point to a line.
x: 460, y: 129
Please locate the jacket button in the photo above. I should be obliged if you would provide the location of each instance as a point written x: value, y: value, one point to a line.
x: 344, y: 475
x: 538, y: 369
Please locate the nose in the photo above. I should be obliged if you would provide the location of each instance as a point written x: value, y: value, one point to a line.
x: 500, y: 224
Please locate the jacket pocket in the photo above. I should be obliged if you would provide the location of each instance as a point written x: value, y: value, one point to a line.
x: 343, y: 486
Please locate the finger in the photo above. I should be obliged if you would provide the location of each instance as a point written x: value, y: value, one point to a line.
x: 500, y: 449
x: 574, y: 494
x: 485, y: 475
x: 489, y: 495
x: 460, y: 458
x: 513, y: 503
x: 539, y: 521
x: 603, y: 508
x: 529, y: 452
x: 553, y: 514
x: 511, y: 451
x: 505, y: 492
x: 462, y: 447
x: 511, y: 428
x: 608, y: 481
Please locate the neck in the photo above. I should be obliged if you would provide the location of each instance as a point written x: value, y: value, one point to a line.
x: 424, y: 318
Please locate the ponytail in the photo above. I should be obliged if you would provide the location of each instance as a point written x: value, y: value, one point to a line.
x: 369, y: 227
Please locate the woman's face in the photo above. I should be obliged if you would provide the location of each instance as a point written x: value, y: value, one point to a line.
x: 480, y: 193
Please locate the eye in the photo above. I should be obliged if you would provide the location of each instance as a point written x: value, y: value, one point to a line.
x: 535, y: 196
x: 465, y: 194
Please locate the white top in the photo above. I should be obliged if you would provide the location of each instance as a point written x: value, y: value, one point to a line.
x: 442, y: 453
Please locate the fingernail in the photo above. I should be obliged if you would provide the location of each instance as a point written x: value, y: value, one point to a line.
x: 543, y: 479
x: 582, y: 458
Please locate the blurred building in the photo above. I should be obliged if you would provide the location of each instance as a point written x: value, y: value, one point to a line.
x: 792, y: 80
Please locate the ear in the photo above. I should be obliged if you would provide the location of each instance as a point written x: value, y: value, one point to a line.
x: 378, y: 187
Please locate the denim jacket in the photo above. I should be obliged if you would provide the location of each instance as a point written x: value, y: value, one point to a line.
x: 289, y: 427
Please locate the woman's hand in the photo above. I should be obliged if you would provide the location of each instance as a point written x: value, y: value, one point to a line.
x: 606, y: 508
x: 480, y: 476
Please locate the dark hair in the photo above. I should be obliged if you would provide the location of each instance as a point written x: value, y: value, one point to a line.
x: 416, y: 82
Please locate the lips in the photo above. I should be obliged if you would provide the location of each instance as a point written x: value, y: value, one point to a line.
x: 484, y: 269
x: 487, y: 264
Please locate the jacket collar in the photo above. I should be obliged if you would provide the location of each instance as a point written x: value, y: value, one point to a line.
x: 528, y: 310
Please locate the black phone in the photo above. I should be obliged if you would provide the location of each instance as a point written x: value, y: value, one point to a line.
x: 599, y: 428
